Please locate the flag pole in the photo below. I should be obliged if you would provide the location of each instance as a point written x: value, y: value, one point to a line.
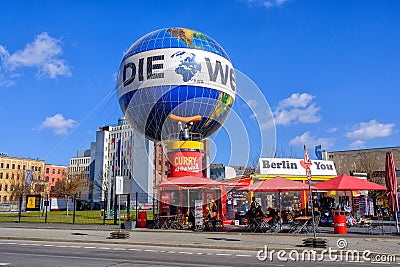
x: 307, y: 163
x: 312, y: 204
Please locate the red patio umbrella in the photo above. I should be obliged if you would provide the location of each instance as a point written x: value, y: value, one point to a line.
x: 238, y: 183
x: 346, y: 182
x: 277, y: 184
x: 391, y: 183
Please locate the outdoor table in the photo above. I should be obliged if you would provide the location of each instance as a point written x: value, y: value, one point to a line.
x: 259, y: 224
x: 300, y: 224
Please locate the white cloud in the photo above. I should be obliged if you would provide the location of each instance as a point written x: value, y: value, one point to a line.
x: 58, y: 124
x: 357, y: 144
x: 266, y: 3
x: 44, y: 54
x: 298, y: 108
x: 296, y: 100
x: 332, y: 130
x: 311, y: 141
x: 370, y: 130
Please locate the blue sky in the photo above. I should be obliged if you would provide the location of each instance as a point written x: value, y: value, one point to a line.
x: 329, y: 70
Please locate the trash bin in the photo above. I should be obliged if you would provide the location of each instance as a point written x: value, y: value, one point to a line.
x: 339, y: 222
x: 141, y: 220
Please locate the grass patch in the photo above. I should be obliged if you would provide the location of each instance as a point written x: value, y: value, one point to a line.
x: 81, y: 217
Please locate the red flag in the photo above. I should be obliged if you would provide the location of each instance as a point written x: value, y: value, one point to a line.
x: 307, y: 163
x: 307, y: 159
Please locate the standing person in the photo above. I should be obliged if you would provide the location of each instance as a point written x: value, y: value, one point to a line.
x: 212, y: 209
x: 254, y: 203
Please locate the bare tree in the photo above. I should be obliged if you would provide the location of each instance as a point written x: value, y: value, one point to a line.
x: 68, y: 187
x: 368, y: 164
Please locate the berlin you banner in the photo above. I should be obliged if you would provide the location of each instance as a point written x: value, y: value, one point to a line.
x: 286, y: 166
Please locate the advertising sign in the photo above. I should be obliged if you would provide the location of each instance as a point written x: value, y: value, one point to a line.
x: 198, y: 212
x: 184, y: 163
x: 123, y: 185
x: 32, y: 203
x: 119, y: 185
x: 28, y: 176
x: 286, y: 166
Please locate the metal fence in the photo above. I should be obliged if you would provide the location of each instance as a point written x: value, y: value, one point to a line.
x: 76, y: 211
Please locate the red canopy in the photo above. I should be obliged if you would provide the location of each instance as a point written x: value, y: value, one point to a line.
x: 276, y: 184
x: 238, y: 183
x: 190, y: 181
x: 346, y: 182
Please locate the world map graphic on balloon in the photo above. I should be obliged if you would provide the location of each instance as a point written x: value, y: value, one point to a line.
x: 175, y: 71
x: 188, y: 66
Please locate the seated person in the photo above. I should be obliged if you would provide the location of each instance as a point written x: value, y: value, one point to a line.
x: 259, y: 212
x: 272, y: 212
x: 251, y: 213
x: 191, y: 219
x: 255, y: 212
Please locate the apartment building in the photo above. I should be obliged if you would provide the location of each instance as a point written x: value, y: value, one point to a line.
x: 79, y: 168
x: 120, y: 151
x: 53, y: 174
x: 370, y: 161
x: 21, y: 175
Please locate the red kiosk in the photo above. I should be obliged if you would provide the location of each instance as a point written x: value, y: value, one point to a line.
x: 185, y: 190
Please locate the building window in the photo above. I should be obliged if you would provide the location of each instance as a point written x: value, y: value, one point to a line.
x: 54, y: 171
x: 19, y: 167
x: 13, y: 166
x: 6, y: 187
x: 52, y: 180
x: 1, y: 175
x: 47, y: 170
x: 6, y: 175
x: 2, y: 165
x: 58, y: 171
x: 8, y: 166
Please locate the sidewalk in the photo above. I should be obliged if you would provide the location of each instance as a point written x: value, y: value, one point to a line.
x: 184, y: 238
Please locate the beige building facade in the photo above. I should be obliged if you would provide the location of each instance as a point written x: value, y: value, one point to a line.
x: 13, y: 178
